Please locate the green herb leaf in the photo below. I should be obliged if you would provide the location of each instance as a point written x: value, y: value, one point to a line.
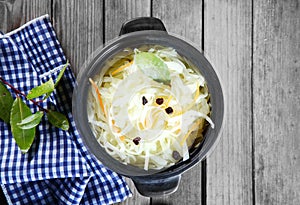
x: 58, y: 120
x: 19, y: 112
x: 42, y: 89
x: 153, y: 66
x: 6, y: 102
x: 61, y: 73
x: 31, y: 121
x: 47, y: 95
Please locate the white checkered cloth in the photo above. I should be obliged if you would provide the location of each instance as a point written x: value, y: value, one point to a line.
x: 58, y: 169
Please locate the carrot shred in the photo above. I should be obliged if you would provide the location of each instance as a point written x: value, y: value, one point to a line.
x: 122, y: 138
x: 197, y: 94
x: 122, y: 68
x: 178, y: 131
x: 98, y: 95
x: 116, y: 129
x: 168, y: 100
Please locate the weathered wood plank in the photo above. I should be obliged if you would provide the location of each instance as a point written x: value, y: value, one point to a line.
x: 227, y: 42
x: 276, y: 65
x: 184, y: 19
x: 79, y: 27
x: 116, y: 12
x: 181, y: 18
x: 276, y: 91
x: 16, y: 13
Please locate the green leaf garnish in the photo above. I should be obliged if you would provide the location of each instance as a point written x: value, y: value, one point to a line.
x: 31, y: 121
x: 61, y: 73
x: 153, y: 66
x: 19, y: 112
x: 58, y: 120
x: 6, y: 102
x: 42, y: 89
x: 22, y: 122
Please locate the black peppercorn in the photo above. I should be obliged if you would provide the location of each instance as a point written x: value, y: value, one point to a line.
x: 159, y: 101
x: 144, y: 100
x: 136, y: 140
x: 176, y: 155
x: 169, y: 110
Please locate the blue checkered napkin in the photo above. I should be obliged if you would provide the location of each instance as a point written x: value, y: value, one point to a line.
x: 57, y: 169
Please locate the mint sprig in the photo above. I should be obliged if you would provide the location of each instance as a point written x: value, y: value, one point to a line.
x: 22, y: 121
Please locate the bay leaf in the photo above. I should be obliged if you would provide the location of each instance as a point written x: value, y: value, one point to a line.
x: 58, y: 120
x: 153, y: 66
x: 19, y: 112
x: 61, y: 73
x: 6, y: 102
x: 42, y: 89
x: 31, y: 121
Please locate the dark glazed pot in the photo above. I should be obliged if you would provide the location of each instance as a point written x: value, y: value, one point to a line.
x: 133, y: 34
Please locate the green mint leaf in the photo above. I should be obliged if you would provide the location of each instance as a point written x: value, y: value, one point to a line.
x: 58, y: 120
x: 42, y: 89
x: 19, y: 112
x: 61, y: 73
x: 153, y: 66
x: 6, y: 102
x: 31, y: 121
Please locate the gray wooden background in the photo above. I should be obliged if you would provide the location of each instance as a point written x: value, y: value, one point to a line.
x: 255, y: 48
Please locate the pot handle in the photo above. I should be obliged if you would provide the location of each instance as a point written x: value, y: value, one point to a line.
x: 156, y: 187
x: 141, y: 24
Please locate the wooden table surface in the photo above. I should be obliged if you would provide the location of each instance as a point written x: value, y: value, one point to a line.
x: 255, y: 48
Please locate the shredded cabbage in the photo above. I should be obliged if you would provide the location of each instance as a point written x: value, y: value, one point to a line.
x: 138, y: 128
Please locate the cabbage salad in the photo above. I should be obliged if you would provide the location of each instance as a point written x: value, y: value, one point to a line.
x: 149, y: 108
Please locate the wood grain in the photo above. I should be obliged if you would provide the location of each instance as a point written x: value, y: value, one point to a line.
x: 227, y: 43
x: 255, y: 48
x: 185, y: 20
x: 15, y: 13
x: 181, y: 18
x: 276, y: 92
x: 79, y: 27
x: 117, y: 12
